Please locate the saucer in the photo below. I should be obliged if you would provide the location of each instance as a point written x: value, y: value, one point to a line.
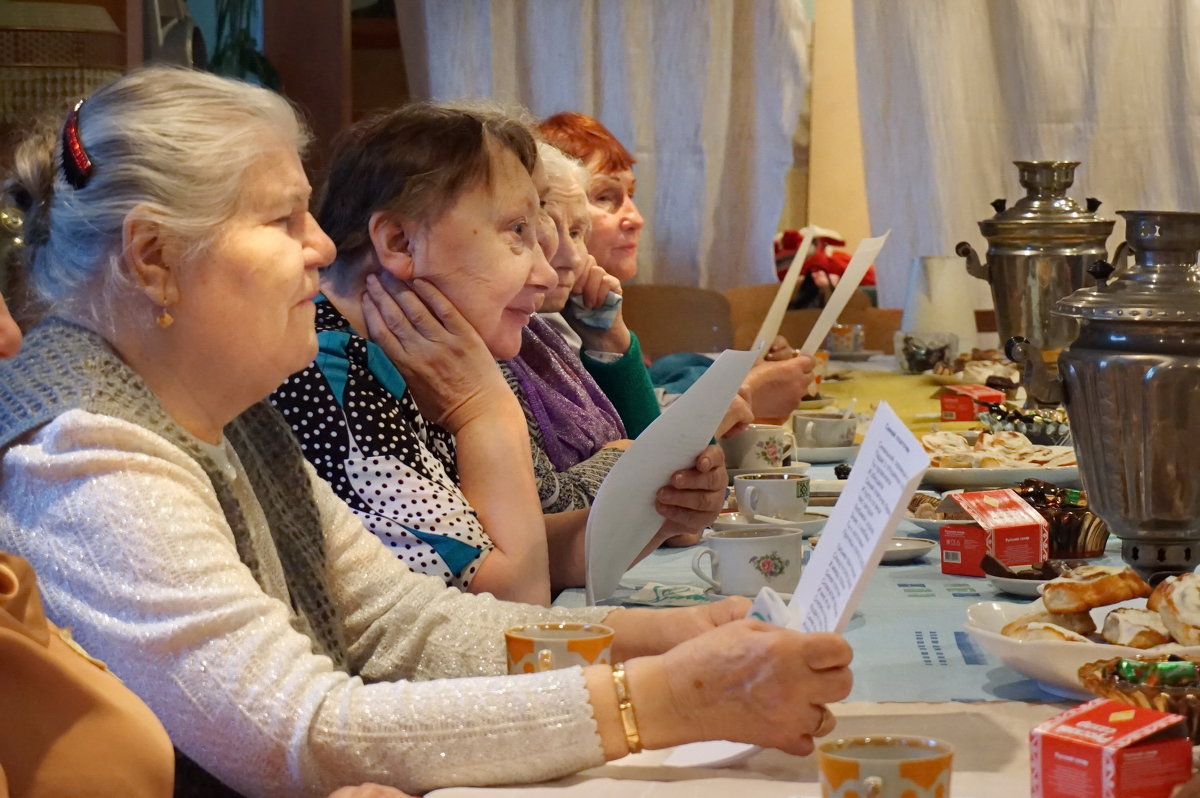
x: 825, y: 454
x: 856, y: 354
x: 794, y: 468
x: 898, y: 550
x: 810, y: 524
x: 815, y: 404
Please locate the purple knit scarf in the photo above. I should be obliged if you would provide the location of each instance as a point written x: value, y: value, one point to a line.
x: 574, y: 415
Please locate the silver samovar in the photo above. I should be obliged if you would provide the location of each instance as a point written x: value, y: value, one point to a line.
x: 1130, y: 382
x: 1038, y: 252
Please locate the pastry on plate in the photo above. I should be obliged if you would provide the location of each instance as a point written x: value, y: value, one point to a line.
x: 1177, y: 600
x: 1080, y: 589
x: 1040, y: 630
x: 1135, y: 627
x: 1080, y: 623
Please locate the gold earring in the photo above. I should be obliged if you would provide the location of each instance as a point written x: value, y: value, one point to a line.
x: 165, y: 319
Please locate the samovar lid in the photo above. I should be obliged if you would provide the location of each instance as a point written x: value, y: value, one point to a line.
x: 1046, y: 211
x: 1162, y: 284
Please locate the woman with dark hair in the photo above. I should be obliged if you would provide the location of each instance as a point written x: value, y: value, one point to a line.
x: 775, y: 386
x: 174, y: 522
x: 405, y: 411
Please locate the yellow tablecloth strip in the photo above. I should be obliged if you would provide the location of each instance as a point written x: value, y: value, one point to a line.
x: 912, y: 396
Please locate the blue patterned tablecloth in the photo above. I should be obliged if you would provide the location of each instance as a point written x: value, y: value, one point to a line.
x: 908, y: 636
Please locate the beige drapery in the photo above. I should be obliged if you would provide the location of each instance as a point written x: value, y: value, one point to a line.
x: 953, y: 91
x: 706, y: 94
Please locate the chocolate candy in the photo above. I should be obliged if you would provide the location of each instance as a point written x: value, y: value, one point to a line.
x: 1172, y: 672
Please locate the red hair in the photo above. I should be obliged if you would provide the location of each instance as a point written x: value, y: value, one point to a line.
x: 583, y: 137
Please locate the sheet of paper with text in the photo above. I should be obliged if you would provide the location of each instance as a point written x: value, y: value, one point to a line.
x: 885, y: 475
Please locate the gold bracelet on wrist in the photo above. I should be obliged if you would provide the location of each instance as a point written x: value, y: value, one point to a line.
x: 625, y: 705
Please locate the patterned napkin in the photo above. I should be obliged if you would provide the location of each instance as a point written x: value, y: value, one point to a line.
x: 652, y: 594
x: 600, y: 318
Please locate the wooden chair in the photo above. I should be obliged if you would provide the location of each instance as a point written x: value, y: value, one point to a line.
x: 677, y: 318
x: 879, y: 325
x: 748, y: 306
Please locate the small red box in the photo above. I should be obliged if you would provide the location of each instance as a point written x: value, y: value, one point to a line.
x: 1107, y: 749
x: 1005, y: 526
x: 965, y: 402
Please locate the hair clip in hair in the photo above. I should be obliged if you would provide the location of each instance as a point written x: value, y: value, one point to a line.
x: 77, y: 166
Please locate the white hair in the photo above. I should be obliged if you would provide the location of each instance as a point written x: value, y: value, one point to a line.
x: 173, y: 142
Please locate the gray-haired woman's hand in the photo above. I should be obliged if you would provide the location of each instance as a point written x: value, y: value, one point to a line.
x: 451, y: 374
x: 745, y: 681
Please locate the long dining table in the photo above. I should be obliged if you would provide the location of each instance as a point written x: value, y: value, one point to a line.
x: 916, y: 669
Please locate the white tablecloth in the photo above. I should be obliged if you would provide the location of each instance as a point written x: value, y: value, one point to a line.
x: 991, y: 758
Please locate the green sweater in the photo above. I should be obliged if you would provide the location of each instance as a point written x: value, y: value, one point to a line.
x: 627, y: 385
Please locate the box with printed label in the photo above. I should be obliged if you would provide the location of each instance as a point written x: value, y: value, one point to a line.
x: 1003, y: 525
x: 1108, y: 749
x: 966, y: 402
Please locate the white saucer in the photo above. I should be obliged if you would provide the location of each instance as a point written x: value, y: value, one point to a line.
x: 898, y: 550
x: 811, y: 524
x: 901, y: 550
x: 794, y: 468
x: 857, y: 354
x: 817, y: 404
x: 1017, y: 587
x: 826, y: 454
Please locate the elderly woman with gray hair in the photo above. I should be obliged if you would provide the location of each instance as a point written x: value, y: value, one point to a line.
x: 404, y: 411
x: 176, y: 526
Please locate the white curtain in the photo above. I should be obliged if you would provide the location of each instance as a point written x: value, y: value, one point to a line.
x: 952, y: 91
x: 706, y: 94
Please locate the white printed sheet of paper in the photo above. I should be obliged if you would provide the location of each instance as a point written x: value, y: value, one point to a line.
x: 886, y: 473
x: 623, y: 519
x: 864, y: 255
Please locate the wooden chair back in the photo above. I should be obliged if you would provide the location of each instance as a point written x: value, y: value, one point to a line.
x: 879, y: 325
x: 748, y: 306
x: 677, y: 318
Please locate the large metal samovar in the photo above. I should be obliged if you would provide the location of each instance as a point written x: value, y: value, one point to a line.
x: 1130, y: 382
x: 1038, y: 252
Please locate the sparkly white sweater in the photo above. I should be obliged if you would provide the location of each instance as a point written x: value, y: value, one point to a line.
x: 133, y: 551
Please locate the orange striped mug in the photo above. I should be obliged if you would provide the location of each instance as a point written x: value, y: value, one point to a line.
x: 545, y: 646
x: 885, y: 766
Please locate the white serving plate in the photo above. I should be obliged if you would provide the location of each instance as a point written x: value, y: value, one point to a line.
x: 1053, y: 664
x: 946, y: 478
x: 826, y: 454
x: 794, y: 468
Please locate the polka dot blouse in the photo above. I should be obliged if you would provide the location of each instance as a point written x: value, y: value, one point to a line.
x: 360, y: 428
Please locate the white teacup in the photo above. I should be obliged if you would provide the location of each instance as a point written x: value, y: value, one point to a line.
x: 884, y: 766
x: 821, y: 430
x: 744, y: 561
x: 776, y: 496
x: 758, y: 446
x: 545, y: 646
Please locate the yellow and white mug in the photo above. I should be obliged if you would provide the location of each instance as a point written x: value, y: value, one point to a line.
x: 885, y: 766
x: 546, y: 646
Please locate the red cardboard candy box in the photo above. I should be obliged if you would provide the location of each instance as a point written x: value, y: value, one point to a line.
x: 966, y: 402
x: 1109, y: 749
x: 1005, y: 526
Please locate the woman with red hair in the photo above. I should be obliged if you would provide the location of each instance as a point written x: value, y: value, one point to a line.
x: 775, y: 386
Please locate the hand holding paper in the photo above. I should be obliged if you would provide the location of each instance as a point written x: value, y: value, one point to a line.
x: 885, y: 475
